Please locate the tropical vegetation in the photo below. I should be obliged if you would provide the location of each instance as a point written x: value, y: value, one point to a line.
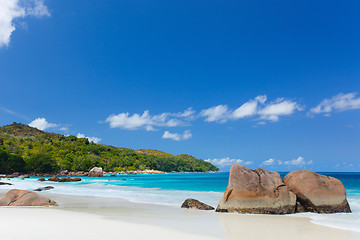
x: 27, y: 149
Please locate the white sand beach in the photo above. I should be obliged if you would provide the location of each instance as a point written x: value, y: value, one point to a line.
x: 108, y: 218
x: 51, y: 223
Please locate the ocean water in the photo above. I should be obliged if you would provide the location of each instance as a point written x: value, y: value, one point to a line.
x: 173, y: 188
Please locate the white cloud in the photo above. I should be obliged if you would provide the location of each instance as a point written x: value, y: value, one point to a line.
x: 42, y: 124
x: 91, y: 139
x: 150, y: 128
x: 295, y: 162
x: 261, y: 99
x: 187, y: 135
x: 298, y: 162
x: 188, y: 113
x: 11, y: 10
x: 148, y: 122
x: 173, y: 136
x: 246, y: 110
x: 222, y: 113
x: 176, y: 136
x: 340, y: 102
x: 124, y: 120
x: 271, y: 161
x: 8, y: 11
x: 253, y: 107
x: 36, y: 8
x: 279, y: 107
x: 227, y: 162
x: 218, y: 113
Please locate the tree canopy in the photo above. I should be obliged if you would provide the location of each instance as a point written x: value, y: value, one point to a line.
x: 27, y: 149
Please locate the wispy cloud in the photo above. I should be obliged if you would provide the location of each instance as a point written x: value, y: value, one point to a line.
x: 254, y: 107
x: 35, y: 8
x: 249, y: 108
x: 340, y: 102
x: 64, y: 129
x: 300, y: 161
x: 257, y: 108
x: 269, y: 162
x: 11, y: 10
x: 176, y: 136
x: 226, y: 163
x: 150, y: 122
x: 345, y: 166
x: 13, y: 113
x: 42, y: 124
x: 219, y: 113
x: 91, y: 139
x: 280, y: 107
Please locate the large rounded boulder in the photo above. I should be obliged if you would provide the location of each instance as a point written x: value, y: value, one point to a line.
x: 256, y: 191
x: 17, y: 197
x: 317, y: 193
x: 96, y: 172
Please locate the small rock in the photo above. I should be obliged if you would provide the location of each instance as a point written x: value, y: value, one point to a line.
x: 41, y: 179
x: 193, y: 203
x: 64, y: 172
x: 96, y: 172
x: 5, y: 183
x: 64, y: 179
x: 43, y: 188
x: 68, y: 179
x: 54, y: 179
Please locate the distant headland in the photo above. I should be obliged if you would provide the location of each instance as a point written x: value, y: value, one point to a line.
x: 26, y: 149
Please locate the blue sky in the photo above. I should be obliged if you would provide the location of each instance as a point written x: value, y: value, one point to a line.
x: 273, y: 84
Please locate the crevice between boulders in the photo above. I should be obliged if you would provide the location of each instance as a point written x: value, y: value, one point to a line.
x: 228, y: 195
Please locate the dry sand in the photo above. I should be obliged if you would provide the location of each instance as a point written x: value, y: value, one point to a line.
x: 50, y: 223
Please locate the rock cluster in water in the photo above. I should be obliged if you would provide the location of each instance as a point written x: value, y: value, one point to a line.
x: 262, y: 191
x: 94, y: 172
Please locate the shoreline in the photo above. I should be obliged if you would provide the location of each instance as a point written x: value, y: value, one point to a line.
x: 166, y: 220
x: 85, y: 174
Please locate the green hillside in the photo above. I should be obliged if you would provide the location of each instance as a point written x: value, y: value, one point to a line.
x: 27, y: 149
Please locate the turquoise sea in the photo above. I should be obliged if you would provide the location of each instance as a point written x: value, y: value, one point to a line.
x: 173, y: 188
